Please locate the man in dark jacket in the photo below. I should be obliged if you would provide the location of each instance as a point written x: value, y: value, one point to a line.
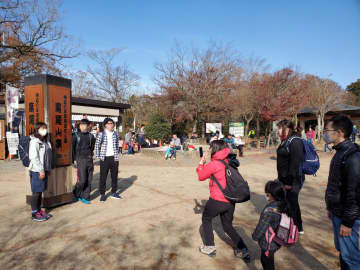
x: 343, y: 191
x: 83, y: 144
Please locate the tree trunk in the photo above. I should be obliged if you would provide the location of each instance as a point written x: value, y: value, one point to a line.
x: 319, y: 125
x: 268, y: 131
x: 246, y: 132
x: 258, y: 132
x: 296, y: 120
x: 194, y: 126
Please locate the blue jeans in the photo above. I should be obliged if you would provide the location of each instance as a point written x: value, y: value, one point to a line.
x: 170, y: 152
x: 348, y: 246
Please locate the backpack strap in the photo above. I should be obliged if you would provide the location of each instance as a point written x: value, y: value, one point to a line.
x: 289, y: 141
x: 214, y: 178
x: 217, y: 182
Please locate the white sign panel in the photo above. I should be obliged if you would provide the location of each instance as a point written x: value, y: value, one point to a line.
x: 213, y: 127
x: 13, y: 142
x: 237, y: 129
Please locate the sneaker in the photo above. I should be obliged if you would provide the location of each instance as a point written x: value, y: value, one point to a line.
x: 208, y: 250
x: 102, y: 198
x: 115, y: 196
x: 242, y: 254
x: 302, y: 232
x: 45, y: 214
x: 85, y: 201
x: 38, y: 217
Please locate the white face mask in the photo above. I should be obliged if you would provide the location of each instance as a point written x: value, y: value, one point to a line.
x: 43, y: 132
x: 267, y: 198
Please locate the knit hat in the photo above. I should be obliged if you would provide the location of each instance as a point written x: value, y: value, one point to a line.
x: 107, y: 120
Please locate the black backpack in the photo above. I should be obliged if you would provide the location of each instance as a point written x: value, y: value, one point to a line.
x: 237, y: 189
x: 23, y: 148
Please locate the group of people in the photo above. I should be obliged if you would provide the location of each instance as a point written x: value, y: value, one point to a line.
x: 231, y: 141
x: 106, y: 147
x: 342, y: 194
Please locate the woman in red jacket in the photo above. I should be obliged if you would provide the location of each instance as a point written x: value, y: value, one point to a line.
x: 217, y: 203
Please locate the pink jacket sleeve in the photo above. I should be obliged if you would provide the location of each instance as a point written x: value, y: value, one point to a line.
x: 205, y: 171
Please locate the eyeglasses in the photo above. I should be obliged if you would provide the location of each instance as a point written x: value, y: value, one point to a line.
x: 327, y: 130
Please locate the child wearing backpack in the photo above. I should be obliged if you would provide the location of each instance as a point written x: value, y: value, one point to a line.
x: 269, y: 233
x: 40, y: 155
x: 83, y: 144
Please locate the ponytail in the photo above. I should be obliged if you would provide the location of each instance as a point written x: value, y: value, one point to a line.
x: 277, y: 191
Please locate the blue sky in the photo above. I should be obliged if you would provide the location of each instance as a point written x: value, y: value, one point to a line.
x: 321, y: 37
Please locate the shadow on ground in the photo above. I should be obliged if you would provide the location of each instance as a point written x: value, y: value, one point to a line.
x: 58, y: 244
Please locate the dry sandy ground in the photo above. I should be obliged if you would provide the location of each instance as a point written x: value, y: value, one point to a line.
x: 156, y: 225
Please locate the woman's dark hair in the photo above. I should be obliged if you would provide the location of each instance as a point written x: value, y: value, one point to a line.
x: 343, y: 123
x: 277, y: 191
x: 36, y: 132
x: 293, y: 130
x: 217, y: 146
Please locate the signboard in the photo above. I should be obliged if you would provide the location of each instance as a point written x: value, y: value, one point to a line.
x: 12, y: 101
x: 48, y: 99
x: 34, y: 107
x: 237, y: 129
x: 60, y: 122
x: 213, y: 127
x: 13, y: 142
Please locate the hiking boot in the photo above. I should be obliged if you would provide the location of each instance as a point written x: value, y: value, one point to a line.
x: 208, y: 250
x: 85, y: 201
x: 102, y: 198
x: 242, y: 254
x: 116, y: 196
x: 38, y: 217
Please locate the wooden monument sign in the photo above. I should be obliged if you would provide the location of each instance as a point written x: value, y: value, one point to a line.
x: 48, y: 99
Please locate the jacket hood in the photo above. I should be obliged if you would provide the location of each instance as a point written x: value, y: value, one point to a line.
x: 32, y: 137
x: 221, y: 155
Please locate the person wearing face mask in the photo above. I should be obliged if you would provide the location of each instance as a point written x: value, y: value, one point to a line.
x: 40, y: 154
x: 271, y: 216
x: 343, y: 191
x: 290, y: 155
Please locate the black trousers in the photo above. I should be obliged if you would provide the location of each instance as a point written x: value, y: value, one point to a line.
x: 267, y: 262
x: 109, y: 164
x: 36, y: 199
x: 292, y: 196
x: 241, y: 150
x: 214, y: 208
x: 85, y: 173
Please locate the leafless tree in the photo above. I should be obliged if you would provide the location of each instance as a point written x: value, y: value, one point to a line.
x: 197, y: 82
x: 324, y: 94
x: 32, y: 38
x: 112, y: 82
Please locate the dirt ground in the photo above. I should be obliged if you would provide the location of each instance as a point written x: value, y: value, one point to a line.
x: 156, y: 224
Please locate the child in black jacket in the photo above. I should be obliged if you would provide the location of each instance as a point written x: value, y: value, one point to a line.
x: 270, y: 216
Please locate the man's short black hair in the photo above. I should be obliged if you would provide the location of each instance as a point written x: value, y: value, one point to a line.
x: 84, y: 121
x: 343, y: 123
